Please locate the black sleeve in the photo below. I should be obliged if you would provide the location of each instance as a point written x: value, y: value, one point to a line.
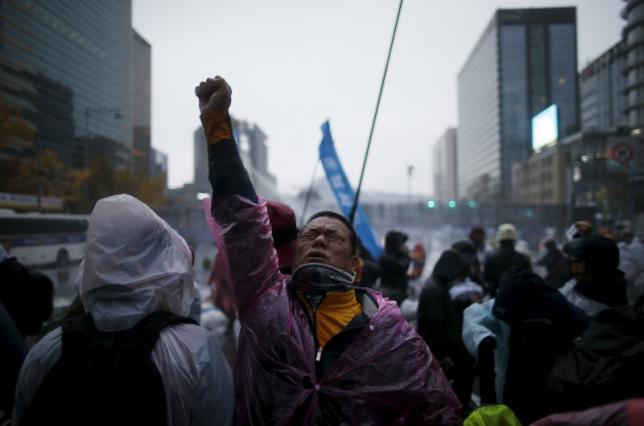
x: 431, y: 327
x: 227, y: 173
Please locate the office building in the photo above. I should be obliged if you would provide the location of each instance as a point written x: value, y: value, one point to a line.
x: 602, y: 87
x: 141, y: 101
x: 633, y: 34
x: 525, y: 61
x: 65, y: 70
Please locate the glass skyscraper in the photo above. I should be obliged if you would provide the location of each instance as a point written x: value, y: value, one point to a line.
x: 525, y: 61
x: 66, y: 69
x: 633, y: 34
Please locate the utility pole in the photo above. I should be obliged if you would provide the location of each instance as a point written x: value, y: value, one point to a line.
x: 410, y: 173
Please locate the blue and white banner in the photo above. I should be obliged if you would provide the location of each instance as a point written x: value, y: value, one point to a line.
x: 344, y: 192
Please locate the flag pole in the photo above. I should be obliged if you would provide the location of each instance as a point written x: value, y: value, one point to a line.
x: 375, y: 116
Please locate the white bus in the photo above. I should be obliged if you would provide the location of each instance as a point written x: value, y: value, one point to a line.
x: 43, y: 239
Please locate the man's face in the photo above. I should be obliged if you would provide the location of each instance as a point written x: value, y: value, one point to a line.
x: 325, y: 240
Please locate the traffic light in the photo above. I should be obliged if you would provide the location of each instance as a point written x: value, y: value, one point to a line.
x: 451, y: 204
x: 471, y: 204
x: 431, y: 204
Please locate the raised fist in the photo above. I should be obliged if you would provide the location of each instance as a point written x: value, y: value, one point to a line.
x: 214, y: 95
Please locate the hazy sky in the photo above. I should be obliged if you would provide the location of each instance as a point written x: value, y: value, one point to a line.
x: 293, y: 64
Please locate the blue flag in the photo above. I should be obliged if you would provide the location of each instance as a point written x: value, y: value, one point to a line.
x: 344, y: 192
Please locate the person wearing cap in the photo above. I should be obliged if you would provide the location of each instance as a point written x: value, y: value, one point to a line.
x: 284, y: 231
x: 504, y: 258
x: 597, y: 282
x: 313, y: 347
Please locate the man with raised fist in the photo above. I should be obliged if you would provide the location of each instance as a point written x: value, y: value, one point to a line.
x: 313, y: 348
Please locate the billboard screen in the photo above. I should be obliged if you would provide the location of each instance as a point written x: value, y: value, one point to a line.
x: 545, y: 128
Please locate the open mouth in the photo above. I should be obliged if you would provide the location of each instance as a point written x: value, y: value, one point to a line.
x: 316, y: 255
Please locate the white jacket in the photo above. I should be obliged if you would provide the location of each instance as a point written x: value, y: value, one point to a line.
x: 135, y: 264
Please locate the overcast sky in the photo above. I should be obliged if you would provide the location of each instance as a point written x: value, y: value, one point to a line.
x: 293, y: 64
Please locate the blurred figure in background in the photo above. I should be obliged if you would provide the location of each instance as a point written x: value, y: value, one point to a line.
x: 394, y: 266
x: 504, y: 258
x: 284, y: 231
x: 477, y: 237
x: 556, y: 264
x: 439, y: 324
x: 631, y: 254
x: 12, y: 352
x: 368, y: 271
x: 27, y: 295
x: 418, y: 258
x: 469, y: 253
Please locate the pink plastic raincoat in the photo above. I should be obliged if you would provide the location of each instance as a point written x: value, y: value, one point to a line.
x: 386, y: 376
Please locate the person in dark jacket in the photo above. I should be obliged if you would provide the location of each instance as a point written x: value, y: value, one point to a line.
x: 27, y: 295
x: 541, y: 323
x: 598, y: 283
x: 503, y: 259
x: 556, y: 264
x: 469, y: 252
x: 605, y: 365
x: 623, y: 413
x: 477, y: 237
x: 12, y: 354
x: 439, y: 325
x: 394, y: 264
x: 370, y: 270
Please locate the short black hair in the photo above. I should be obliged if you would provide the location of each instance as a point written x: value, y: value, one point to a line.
x: 344, y: 220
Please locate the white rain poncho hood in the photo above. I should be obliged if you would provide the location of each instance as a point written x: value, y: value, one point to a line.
x: 135, y: 264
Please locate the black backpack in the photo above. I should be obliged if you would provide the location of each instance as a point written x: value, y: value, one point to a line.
x: 104, y: 378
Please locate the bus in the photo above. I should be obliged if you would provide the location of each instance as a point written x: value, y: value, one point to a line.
x: 40, y: 239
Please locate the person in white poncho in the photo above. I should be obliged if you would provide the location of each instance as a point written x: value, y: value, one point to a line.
x: 136, y: 286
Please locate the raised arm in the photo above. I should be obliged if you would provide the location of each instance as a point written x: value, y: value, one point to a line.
x: 245, y: 232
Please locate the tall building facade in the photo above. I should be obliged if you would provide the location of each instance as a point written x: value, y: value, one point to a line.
x: 633, y: 35
x: 141, y: 101
x: 602, y: 87
x: 444, y: 157
x: 65, y: 69
x: 525, y: 61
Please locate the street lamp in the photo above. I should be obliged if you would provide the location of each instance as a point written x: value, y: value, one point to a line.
x: 410, y: 173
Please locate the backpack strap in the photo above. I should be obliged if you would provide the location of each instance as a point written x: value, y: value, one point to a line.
x: 150, y: 327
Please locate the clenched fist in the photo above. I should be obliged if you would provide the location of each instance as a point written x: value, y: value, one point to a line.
x: 214, y: 100
x: 214, y: 95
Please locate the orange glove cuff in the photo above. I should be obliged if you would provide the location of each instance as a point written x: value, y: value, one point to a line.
x: 217, y: 126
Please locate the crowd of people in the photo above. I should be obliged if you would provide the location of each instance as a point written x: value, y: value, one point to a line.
x: 322, y: 339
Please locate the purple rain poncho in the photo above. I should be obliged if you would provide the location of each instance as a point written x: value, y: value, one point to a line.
x: 387, y: 375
